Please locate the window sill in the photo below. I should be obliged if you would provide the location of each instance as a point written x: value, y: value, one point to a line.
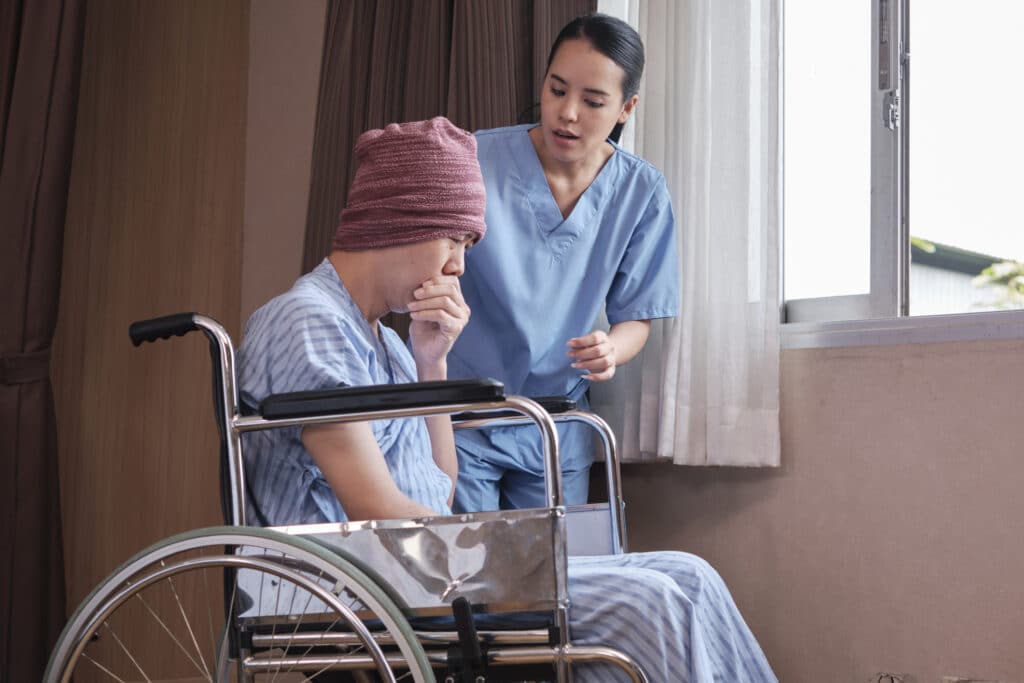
x: 925, y: 329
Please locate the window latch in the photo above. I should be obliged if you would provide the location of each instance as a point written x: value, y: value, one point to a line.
x: 891, y: 110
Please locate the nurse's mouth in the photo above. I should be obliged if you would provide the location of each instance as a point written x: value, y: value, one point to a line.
x: 566, y: 135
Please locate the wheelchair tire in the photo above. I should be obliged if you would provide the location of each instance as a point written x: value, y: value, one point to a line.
x: 188, y: 607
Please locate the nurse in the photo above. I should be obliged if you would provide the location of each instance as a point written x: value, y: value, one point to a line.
x: 575, y: 224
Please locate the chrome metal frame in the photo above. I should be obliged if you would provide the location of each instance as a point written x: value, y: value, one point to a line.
x: 609, y: 445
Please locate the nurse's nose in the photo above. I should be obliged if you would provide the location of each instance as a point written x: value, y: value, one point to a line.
x: 568, y: 109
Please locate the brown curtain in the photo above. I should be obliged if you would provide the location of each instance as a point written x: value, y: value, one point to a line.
x: 480, y: 63
x: 40, y: 50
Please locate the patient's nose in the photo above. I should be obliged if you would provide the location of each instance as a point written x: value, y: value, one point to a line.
x: 456, y: 264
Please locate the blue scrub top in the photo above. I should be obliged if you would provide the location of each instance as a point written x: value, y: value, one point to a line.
x: 537, y: 280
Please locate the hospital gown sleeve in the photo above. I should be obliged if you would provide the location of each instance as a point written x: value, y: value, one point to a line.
x: 297, y: 348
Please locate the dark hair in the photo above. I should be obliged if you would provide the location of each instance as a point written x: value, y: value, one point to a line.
x: 617, y: 41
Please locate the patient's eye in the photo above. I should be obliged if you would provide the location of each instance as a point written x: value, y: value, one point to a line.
x: 467, y: 240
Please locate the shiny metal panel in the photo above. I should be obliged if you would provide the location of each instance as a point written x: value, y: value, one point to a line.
x: 509, y: 561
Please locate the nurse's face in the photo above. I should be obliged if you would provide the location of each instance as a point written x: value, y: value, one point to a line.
x: 581, y: 102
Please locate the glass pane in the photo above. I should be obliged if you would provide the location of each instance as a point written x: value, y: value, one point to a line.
x: 966, y: 152
x: 827, y: 150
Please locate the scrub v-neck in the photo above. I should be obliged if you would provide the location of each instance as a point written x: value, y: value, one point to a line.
x: 559, y: 231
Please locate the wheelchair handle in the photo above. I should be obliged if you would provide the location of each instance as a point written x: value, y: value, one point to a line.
x: 178, y: 325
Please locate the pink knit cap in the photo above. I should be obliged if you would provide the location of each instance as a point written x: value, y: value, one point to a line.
x: 415, y: 182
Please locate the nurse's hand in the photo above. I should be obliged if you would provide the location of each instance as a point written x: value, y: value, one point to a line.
x: 594, y: 353
x: 600, y: 353
x: 439, y: 314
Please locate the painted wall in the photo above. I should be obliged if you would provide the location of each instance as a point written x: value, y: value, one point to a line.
x: 891, y: 537
x: 285, y: 45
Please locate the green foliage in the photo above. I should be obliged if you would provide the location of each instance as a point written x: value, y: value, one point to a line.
x: 922, y: 244
x: 1007, y: 278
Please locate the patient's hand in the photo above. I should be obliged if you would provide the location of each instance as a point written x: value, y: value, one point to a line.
x: 594, y: 353
x: 439, y: 314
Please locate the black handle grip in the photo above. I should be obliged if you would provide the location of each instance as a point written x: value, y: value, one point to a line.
x: 554, y: 405
x: 178, y: 324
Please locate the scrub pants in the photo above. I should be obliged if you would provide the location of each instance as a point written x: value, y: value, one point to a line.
x: 503, y: 468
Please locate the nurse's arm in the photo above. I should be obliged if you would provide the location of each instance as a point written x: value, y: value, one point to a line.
x: 354, y: 467
x: 628, y: 338
x: 599, y: 353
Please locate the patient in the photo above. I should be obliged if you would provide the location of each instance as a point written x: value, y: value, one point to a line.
x: 415, y: 206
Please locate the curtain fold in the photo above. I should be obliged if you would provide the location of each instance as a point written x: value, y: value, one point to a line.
x: 478, y: 63
x: 706, y: 389
x: 39, y: 63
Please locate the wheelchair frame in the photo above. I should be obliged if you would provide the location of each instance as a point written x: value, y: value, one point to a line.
x: 399, y: 579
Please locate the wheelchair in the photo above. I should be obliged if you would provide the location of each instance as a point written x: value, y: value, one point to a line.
x: 466, y: 598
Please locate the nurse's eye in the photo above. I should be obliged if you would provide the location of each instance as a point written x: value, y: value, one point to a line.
x: 594, y: 104
x: 557, y: 93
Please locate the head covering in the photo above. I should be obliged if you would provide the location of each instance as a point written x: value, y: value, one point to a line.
x: 415, y: 182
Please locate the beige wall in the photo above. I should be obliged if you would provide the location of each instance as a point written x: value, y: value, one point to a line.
x: 285, y: 42
x: 892, y: 537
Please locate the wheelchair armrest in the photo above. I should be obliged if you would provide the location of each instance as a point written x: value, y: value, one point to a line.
x: 554, y: 405
x: 344, y: 400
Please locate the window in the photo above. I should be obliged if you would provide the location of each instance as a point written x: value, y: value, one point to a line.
x: 867, y: 175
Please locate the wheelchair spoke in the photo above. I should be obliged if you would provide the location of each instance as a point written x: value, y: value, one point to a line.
x: 330, y: 627
x: 298, y: 624
x: 177, y: 642
x: 104, y: 669
x: 315, y: 674
x: 230, y: 614
x: 277, y: 610
x: 132, y: 632
x: 209, y: 615
x: 124, y: 649
x: 259, y: 601
x: 188, y: 627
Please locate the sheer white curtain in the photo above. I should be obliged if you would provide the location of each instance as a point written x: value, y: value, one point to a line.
x: 706, y: 389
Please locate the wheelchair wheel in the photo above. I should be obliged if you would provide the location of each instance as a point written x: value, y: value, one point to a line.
x: 245, y: 604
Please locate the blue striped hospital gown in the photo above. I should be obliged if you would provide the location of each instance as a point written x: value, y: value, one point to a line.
x: 669, y: 610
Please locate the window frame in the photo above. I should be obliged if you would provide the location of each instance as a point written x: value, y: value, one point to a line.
x: 889, y: 232
x: 882, y: 316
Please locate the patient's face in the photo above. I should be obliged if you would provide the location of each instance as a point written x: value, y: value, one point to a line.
x: 414, y: 264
